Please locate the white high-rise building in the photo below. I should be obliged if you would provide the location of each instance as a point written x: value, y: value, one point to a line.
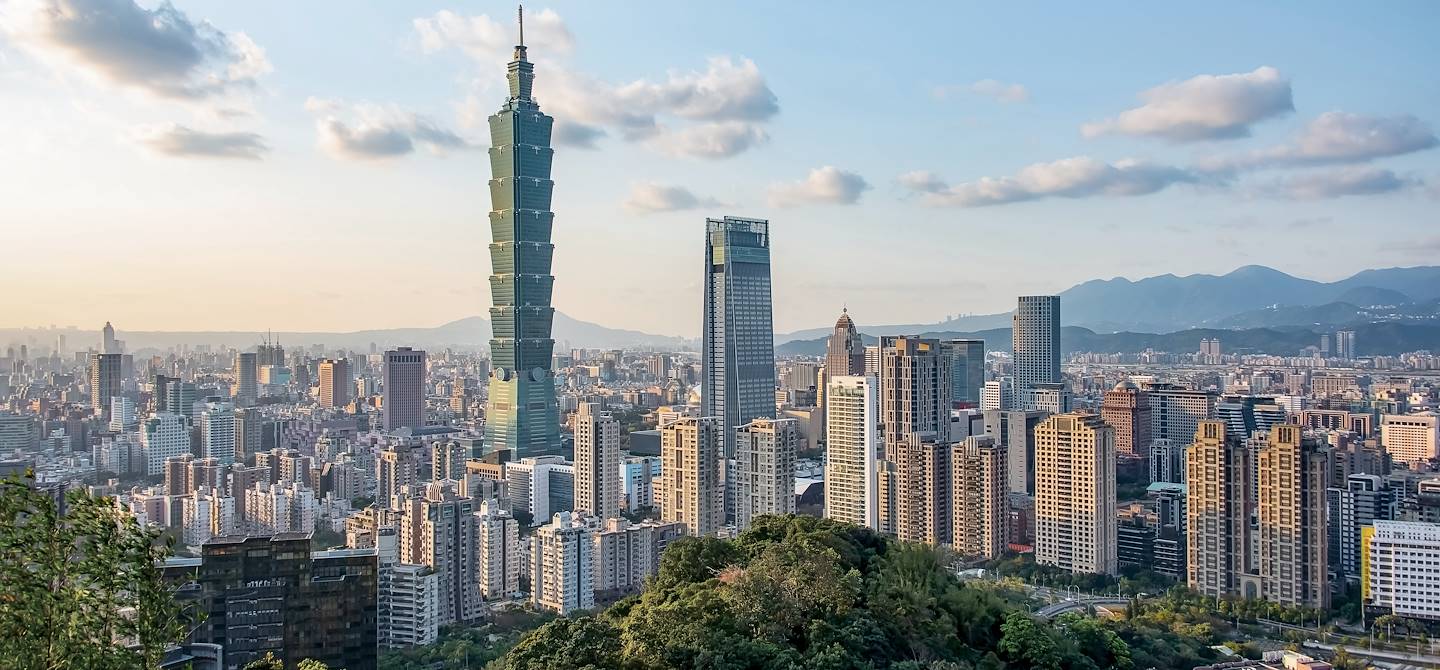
x: 1035, y: 337
x: 625, y: 554
x: 597, y: 462
x: 122, y: 414
x: 527, y: 485
x: 280, y: 508
x: 409, y: 597
x: 765, y: 469
x: 497, y: 536
x: 851, y: 449
x: 206, y: 513
x: 1400, y: 575
x: 162, y: 437
x: 997, y: 394
x: 1409, y: 438
x: 1075, y: 517
x: 691, y: 489
x: 217, y: 432
x: 562, y: 565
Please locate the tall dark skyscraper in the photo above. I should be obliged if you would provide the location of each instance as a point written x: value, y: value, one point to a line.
x: 738, y: 352
x: 521, y: 414
x: 404, y: 404
x: 967, y: 370
x: 104, y: 382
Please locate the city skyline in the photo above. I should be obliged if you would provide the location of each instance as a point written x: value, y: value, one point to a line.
x: 96, y: 158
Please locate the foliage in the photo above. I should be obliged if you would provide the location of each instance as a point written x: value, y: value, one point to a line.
x: 269, y: 662
x: 1131, y: 581
x: 80, y: 585
x: 458, y: 646
x: 361, y: 502
x: 801, y: 592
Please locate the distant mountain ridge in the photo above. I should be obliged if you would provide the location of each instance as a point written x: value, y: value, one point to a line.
x: 1169, y: 303
x: 467, y: 333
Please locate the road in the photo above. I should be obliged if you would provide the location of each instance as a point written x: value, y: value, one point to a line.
x: 1082, y: 603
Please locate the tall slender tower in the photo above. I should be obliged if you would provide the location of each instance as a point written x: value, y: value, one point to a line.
x: 738, y: 355
x: 1035, y: 340
x: 521, y: 414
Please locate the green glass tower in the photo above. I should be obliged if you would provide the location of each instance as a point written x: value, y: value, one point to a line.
x: 521, y: 412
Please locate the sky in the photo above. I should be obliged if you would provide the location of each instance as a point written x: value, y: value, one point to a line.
x: 321, y: 165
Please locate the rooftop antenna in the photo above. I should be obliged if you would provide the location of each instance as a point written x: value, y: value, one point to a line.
x: 521, y: 13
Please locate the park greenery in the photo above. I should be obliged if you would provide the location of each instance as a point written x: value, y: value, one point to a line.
x: 468, y: 647
x: 801, y: 592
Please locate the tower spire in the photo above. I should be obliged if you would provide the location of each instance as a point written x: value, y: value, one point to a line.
x: 520, y: 12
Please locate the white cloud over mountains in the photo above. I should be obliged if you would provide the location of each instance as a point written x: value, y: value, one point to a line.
x: 1206, y: 107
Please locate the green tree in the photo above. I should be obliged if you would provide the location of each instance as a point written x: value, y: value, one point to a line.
x: 80, y: 585
x: 695, y: 559
x: 1025, y: 643
x: 269, y: 662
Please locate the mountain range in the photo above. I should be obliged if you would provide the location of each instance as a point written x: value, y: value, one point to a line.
x: 1250, y: 296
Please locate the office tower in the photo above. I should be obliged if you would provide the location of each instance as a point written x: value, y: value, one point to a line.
x: 914, y: 388
x: 845, y: 351
x: 765, y: 469
x: 282, y: 507
x: 404, y: 405
x: 527, y: 486
x: 1127, y: 409
x: 447, y: 460
x: 104, y: 382
x: 967, y: 370
x: 1292, y: 523
x: 1048, y: 398
x: 249, y: 426
x: 690, y: 489
x: 18, y: 432
x: 1167, y: 461
x: 107, y: 340
x: 562, y: 565
x: 978, y: 492
x: 1245, y: 415
x: 1399, y: 576
x: 409, y: 595
x: 163, y: 436
x: 273, y: 595
x: 217, y: 432
x: 336, y: 382
x: 180, y: 398
x: 498, y: 544
x: 1217, y: 518
x: 1035, y: 341
x: 738, y: 348
x: 1170, y: 550
x: 1409, y: 438
x: 160, y: 393
x: 1176, y: 412
x: 246, y: 372
x: 122, y: 414
x: 917, y: 487
x: 1075, y: 494
x: 597, y: 462
x: 851, y: 450
x: 997, y: 394
x: 1015, y: 431
x: 395, y: 469
x: 438, y: 529
x: 521, y: 414
x: 1345, y: 344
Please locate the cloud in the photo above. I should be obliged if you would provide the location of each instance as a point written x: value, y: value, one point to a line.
x: 1336, y: 138
x: 648, y: 197
x: 716, y: 112
x: 161, y: 51
x: 1000, y: 91
x: 1207, y: 107
x: 1337, y: 183
x: 180, y: 141
x: 1079, y: 177
x: 377, y: 131
x: 826, y: 185
x: 489, y: 41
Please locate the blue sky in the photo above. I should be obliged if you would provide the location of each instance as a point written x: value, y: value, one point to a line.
x: 319, y: 165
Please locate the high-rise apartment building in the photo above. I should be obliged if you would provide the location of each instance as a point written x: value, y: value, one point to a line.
x: 625, y: 554
x: 978, y: 492
x: 447, y: 460
x: 438, y: 529
x: 409, y: 595
x: 914, y: 388
x: 404, y: 403
x: 1345, y: 344
x: 1035, y: 340
x: 967, y: 370
x: 1217, y: 485
x: 217, y: 432
x: 105, y: 373
x: 162, y: 437
x: 247, y: 379
x: 1015, y: 431
x: 690, y: 489
x: 562, y: 565
x: 521, y: 414
x: 1292, y: 519
x: 336, y: 382
x: 395, y: 468
x: 738, y: 340
x: 1075, y: 513
x: 845, y: 351
x: 851, y: 450
x: 1126, y: 408
x: 765, y: 469
x: 920, y: 488
x: 1410, y: 438
x: 597, y: 462
x: 500, y: 551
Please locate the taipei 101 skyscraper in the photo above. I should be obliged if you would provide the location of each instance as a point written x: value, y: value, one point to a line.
x: 521, y: 411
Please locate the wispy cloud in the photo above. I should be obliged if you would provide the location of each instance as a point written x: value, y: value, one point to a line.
x: 1207, y: 107
x: 650, y: 197
x: 1336, y: 138
x: 367, y: 131
x: 826, y: 185
x: 1336, y: 183
x: 183, y: 142
x: 1079, y: 177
